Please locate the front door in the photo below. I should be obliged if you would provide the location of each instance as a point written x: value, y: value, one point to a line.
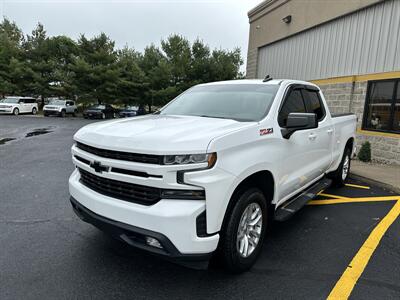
x: 306, y: 155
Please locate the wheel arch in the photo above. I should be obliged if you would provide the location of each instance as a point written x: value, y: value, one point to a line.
x: 350, y: 144
x: 263, y: 179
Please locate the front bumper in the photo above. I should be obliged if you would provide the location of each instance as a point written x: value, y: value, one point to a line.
x: 5, y: 110
x: 51, y: 112
x: 133, y: 235
x: 173, y: 219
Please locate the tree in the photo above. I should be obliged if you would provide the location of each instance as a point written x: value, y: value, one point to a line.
x: 158, y: 76
x: 225, y: 65
x: 95, y: 70
x: 62, y: 51
x: 201, y: 64
x: 39, y: 59
x: 11, y: 38
x: 131, y: 85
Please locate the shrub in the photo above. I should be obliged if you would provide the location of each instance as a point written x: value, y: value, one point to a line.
x: 365, y: 152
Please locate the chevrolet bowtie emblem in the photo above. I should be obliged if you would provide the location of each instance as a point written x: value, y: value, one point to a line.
x: 98, y: 167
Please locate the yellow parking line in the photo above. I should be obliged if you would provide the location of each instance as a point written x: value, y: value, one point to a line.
x: 358, y: 186
x: 349, y: 278
x: 352, y: 200
x: 333, y: 196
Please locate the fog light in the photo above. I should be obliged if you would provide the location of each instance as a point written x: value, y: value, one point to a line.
x: 150, y: 241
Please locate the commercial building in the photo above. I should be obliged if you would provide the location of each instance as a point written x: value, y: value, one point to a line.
x: 350, y: 48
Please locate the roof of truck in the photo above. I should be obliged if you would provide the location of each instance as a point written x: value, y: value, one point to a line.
x: 258, y: 81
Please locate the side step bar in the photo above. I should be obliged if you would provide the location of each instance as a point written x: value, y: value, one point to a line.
x: 290, y: 207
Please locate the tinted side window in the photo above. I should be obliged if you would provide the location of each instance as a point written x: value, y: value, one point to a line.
x: 293, y: 104
x: 21, y: 101
x: 314, y: 103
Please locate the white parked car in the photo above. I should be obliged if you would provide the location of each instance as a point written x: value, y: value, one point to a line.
x: 59, y: 107
x: 16, y: 105
x: 211, y: 169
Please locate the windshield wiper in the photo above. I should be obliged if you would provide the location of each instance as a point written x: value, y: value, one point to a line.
x: 215, y: 117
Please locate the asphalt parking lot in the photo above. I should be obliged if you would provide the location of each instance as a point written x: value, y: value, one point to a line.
x: 347, y: 242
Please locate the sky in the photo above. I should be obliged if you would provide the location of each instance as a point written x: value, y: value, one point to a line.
x: 138, y: 23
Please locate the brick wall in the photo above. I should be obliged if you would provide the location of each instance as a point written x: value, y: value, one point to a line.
x: 350, y: 97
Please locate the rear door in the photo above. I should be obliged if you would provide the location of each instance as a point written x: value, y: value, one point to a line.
x: 321, y: 137
x: 24, y: 105
x: 69, y: 107
x: 297, y: 155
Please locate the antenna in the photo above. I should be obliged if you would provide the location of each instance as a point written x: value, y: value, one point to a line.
x: 267, y: 78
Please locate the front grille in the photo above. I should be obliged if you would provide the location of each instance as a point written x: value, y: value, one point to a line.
x: 120, y: 155
x: 120, y: 190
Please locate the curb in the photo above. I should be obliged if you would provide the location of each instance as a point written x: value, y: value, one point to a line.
x: 375, y: 182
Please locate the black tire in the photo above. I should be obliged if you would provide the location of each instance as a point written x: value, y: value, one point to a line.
x: 34, y: 111
x: 228, y: 247
x: 46, y: 115
x: 16, y: 112
x: 62, y: 114
x: 74, y: 113
x: 339, y: 177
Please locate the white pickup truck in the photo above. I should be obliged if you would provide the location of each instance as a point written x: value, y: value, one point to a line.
x: 208, y: 172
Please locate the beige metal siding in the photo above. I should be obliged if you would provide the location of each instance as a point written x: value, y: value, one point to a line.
x: 367, y: 41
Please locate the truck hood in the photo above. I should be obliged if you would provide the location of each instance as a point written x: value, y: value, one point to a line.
x: 158, y: 134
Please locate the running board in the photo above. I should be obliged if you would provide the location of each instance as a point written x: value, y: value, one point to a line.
x: 290, y: 207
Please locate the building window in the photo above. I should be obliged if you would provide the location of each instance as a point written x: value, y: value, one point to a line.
x: 382, y: 106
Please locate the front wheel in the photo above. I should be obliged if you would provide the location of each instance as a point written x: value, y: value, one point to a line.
x: 63, y: 114
x: 244, y: 231
x: 103, y: 116
x: 341, y: 174
x: 16, y: 112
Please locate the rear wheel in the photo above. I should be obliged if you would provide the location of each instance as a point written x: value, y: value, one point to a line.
x: 74, y: 113
x: 34, y: 111
x: 243, y: 233
x: 16, y: 112
x: 341, y: 174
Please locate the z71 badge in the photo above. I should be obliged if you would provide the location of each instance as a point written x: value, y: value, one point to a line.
x: 266, y: 131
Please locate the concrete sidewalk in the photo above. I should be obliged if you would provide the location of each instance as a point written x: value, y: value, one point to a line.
x: 388, y: 175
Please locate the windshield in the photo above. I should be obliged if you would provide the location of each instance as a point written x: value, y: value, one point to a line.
x: 57, y: 102
x: 10, y: 100
x: 241, y: 102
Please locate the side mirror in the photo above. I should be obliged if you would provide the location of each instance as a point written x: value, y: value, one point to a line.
x: 299, y: 121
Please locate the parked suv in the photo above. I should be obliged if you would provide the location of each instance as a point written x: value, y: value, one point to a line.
x: 60, y: 108
x: 17, y: 105
x: 212, y: 168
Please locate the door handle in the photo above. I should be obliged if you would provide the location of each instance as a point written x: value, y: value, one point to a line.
x: 312, y: 136
x: 330, y: 131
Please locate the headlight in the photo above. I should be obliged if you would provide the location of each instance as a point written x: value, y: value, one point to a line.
x: 181, y: 159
